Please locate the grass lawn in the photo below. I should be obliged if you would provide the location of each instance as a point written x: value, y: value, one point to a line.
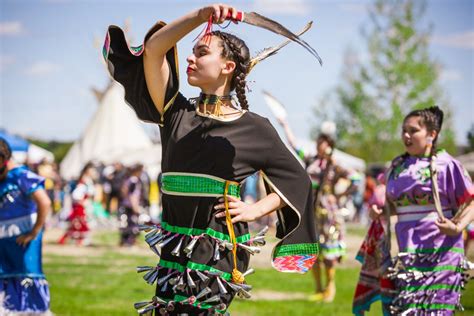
x: 107, y: 284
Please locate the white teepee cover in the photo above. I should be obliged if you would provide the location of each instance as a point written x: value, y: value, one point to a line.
x: 113, y: 133
x: 37, y: 154
x: 342, y: 158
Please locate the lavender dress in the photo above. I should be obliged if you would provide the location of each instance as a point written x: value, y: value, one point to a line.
x: 428, y: 274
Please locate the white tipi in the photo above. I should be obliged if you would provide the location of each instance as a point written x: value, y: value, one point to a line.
x: 113, y: 134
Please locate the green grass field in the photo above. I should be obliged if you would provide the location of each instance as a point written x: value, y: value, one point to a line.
x: 105, y: 283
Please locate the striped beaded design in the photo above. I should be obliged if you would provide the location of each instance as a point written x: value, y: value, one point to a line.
x: 190, y: 184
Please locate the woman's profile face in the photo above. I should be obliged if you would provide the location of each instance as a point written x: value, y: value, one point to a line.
x: 414, y: 136
x: 205, y: 64
x: 91, y: 173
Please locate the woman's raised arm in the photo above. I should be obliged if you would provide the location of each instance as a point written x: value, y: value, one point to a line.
x: 155, y: 66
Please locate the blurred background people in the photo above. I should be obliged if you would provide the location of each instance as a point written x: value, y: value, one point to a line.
x: 131, y: 202
x: 331, y: 190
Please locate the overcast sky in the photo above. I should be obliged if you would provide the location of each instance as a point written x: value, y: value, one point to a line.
x: 50, y: 56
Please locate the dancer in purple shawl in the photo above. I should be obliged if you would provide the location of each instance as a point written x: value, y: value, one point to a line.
x: 428, y: 271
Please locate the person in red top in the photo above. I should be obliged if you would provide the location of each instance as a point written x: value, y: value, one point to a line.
x: 82, y: 196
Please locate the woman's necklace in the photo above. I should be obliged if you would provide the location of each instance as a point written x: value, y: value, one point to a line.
x: 211, y: 105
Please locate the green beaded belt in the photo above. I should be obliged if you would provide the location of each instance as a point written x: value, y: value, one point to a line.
x: 197, y: 184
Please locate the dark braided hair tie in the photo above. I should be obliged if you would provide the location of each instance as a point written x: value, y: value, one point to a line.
x: 235, y: 49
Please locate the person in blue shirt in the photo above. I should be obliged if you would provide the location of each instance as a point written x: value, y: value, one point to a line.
x: 24, y: 206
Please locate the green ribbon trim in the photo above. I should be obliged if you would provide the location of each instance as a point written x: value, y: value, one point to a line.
x: 454, y: 288
x: 296, y: 249
x: 180, y: 298
x: 436, y: 269
x: 198, y: 231
x: 202, y: 267
x: 171, y: 265
x: 193, y: 266
x: 435, y: 250
x: 432, y: 306
x: 199, y: 185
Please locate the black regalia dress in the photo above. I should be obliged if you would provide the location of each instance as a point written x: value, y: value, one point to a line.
x: 201, y: 155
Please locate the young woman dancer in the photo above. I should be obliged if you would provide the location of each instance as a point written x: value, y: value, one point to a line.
x: 432, y: 196
x: 324, y: 175
x: 210, y: 144
x: 82, y: 199
x: 24, y: 206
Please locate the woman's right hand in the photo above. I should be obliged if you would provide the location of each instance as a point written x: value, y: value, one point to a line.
x: 448, y: 227
x: 218, y: 11
x: 374, y: 212
x: 23, y: 240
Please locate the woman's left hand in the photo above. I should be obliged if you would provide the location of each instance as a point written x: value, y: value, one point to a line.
x: 448, y: 227
x: 239, y: 210
x: 23, y: 240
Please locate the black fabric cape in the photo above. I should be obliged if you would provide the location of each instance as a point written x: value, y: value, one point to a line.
x: 231, y: 150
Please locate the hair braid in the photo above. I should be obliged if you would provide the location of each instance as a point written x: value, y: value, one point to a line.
x: 235, y: 49
x: 5, y: 149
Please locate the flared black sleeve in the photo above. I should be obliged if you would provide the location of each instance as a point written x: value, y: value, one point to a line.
x: 125, y: 65
x: 283, y: 175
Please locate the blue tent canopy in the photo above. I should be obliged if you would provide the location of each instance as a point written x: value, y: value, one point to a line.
x: 16, y: 142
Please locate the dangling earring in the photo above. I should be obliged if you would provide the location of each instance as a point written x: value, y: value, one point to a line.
x: 429, y: 145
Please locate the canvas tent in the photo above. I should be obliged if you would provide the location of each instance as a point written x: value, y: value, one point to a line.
x: 37, y: 154
x: 113, y: 134
x: 22, y: 150
x: 16, y: 143
x: 344, y: 159
x: 467, y: 160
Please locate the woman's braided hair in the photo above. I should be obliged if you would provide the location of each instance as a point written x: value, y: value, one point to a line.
x: 235, y: 49
x: 432, y: 119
